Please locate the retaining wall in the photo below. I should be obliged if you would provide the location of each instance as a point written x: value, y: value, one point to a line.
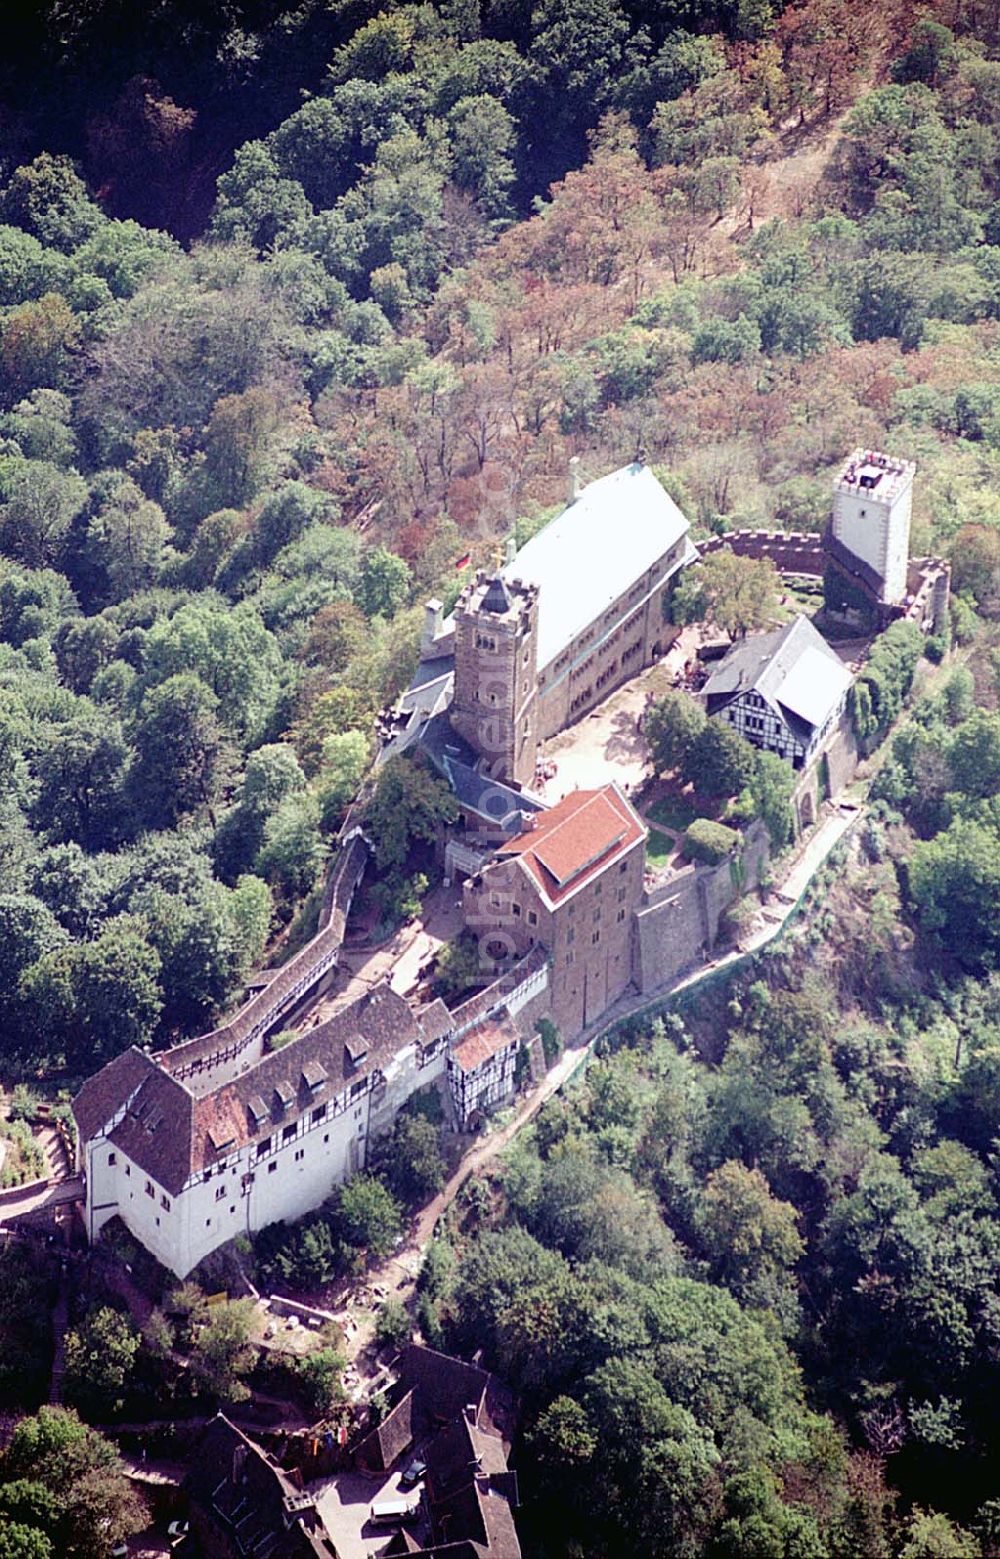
x: 679, y: 921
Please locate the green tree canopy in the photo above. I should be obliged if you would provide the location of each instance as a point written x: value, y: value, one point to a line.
x: 737, y: 594
x: 671, y: 727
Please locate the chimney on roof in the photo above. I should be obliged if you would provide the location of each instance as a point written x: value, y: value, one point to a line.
x: 471, y: 1414
x: 509, y: 550
x: 433, y: 613
x: 574, y: 479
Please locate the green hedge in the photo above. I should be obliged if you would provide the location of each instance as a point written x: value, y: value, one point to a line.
x: 708, y: 841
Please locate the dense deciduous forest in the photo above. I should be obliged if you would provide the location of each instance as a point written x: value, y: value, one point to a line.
x: 301, y: 307
x: 745, y: 1272
x: 231, y: 468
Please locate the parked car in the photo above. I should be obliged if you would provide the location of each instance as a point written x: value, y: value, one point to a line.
x: 394, y: 1512
x: 414, y: 1473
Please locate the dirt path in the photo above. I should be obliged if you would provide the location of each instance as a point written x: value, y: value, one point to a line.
x: 398, y: 1274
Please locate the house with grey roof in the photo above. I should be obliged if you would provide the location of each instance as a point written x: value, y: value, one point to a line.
x: 784, y: 691
x: 243, y: 1504
x: 459, y: 1419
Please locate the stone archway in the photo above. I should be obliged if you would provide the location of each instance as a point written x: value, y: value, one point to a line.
x: 807, y: 811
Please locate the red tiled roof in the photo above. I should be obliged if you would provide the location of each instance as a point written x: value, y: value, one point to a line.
x: 485, y: 1041
x: 171, y: 1133
x: 575, y: 839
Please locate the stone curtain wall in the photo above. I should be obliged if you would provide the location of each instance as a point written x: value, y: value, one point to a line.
x: 791, y: 552
x: 679, y: 923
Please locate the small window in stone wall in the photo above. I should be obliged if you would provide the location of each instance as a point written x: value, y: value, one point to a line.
x: 149, y: 1188
x: 112, y: 1160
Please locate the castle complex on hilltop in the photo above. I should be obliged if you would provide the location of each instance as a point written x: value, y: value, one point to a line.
x: 221, y: 1135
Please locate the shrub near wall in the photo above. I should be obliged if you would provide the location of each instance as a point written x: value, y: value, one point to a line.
x: 709, y: 842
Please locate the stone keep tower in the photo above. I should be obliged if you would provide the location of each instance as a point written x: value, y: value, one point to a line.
x: 496, y: 651
x: 872, y: 499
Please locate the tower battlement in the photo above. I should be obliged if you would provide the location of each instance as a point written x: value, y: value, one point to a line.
x: 872, y: 503
x: 496, y: 674
x: 494, y: 596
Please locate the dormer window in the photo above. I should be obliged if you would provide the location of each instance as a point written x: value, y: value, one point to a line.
x: 284, y: 1093
x: 355, y: 1051
x: 314, y: 1075
x: 257, y: 1111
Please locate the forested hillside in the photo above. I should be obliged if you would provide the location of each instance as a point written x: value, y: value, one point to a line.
x: 302, y: 310
x: 230, y: 471
x: 745, y: 1272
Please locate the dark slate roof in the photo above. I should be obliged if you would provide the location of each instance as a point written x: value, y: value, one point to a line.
x: 253, y: 1506
x: 428, y: 695
x: 456, y: 762
x: 172, y: 1134
x: 771, y: 664
x: 104, y: 1094
x: 497, y: 597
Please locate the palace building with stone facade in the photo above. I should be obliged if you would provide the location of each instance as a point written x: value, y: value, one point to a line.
x: 222, y: 1135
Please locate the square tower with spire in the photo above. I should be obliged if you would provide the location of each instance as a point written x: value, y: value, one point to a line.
x: 494, y: 706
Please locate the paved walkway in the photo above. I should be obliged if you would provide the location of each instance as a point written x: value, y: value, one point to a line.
x: 400, y: 959
x: 36, y: 1199
x: 606, y: 744
x: 398, y: 1273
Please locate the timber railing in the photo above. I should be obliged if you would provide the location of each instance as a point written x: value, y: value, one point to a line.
x: 291, y: 983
